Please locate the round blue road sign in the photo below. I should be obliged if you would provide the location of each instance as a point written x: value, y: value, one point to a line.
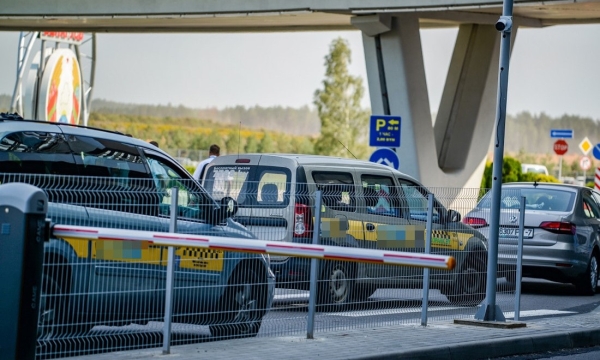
x: 386, y: 157
x: 596, y: 151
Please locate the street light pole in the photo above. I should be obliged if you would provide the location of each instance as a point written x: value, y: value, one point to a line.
x: 490, y: 311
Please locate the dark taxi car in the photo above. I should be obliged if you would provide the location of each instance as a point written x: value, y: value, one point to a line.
x: 106, y: 179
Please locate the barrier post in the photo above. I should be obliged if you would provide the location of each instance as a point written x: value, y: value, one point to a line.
x: 170, y: 273
x: 23, y: 231
x: 314, y: 266
x: 427, y: 251
x: 519, y: 273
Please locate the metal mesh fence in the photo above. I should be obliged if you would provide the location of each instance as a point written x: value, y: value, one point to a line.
x: 105, y: 295
x: 374, y: 215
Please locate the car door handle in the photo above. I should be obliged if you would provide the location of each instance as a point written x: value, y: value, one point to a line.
x: 370, y: 227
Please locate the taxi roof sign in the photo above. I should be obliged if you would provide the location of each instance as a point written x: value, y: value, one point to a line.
x: 385, y: 131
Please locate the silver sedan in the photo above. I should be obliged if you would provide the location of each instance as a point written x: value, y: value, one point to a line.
x: 561, y: 239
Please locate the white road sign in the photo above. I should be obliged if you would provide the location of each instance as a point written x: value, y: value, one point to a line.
x: 585, y: 163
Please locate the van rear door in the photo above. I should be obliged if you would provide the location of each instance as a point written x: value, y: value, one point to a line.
x: 262, y: 193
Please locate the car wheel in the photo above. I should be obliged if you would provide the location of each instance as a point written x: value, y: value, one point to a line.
x: 243, y: 306
x: 588, y: 283
x: 470, y: 285
x: 336, y: 286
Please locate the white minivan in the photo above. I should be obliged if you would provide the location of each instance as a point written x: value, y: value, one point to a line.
x: 534, y: 168
x: 364, y: 205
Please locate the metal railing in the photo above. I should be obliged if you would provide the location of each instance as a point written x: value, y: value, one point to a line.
x: 108, y: 289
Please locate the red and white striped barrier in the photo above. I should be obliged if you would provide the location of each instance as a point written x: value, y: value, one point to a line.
x: 324, y: 252
x: 597, y: 179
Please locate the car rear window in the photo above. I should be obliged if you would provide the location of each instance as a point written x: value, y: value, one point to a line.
x: 537, y: 199
x: 249, y: 185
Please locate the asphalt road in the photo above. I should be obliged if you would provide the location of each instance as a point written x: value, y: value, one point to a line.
x: 288, y: 317
x: 591, y: 353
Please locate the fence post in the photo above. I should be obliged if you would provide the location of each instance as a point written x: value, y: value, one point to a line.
x: 170, y: 273
x: 314, y: 265
x: 427, y: 251
x: 519, y: 259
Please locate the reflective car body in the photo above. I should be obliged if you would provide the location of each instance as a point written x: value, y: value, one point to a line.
x: 561, y: 232
x: 106, y: 179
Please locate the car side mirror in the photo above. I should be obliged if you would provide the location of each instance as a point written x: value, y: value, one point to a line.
x: 453, y: 216
x: 228, y: 207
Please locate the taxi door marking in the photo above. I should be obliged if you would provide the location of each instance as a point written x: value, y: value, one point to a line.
x: 400, y: 236
x: 200, y: 259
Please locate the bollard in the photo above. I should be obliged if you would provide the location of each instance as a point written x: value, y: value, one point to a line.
x: 23, y: 231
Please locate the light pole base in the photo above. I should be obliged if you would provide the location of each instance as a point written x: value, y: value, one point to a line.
x: 485, y: 313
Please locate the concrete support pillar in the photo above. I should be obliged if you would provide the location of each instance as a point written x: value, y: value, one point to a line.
x: 452, y: 152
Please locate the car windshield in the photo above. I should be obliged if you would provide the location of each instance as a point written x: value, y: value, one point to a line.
x: 536, y: 199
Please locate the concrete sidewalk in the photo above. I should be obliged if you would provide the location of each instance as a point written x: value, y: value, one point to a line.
x: 439, y: 340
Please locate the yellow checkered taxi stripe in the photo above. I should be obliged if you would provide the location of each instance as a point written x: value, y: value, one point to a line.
x: 198, y: 258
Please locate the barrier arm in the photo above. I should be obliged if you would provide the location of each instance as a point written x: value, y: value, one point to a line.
x: 324, y: 252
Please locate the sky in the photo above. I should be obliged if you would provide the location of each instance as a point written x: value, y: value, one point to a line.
x: 553, y: 70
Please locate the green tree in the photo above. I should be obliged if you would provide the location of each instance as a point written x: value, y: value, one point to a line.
x: 234, y: 144
x: 511, y: 172
x: 343, y: 121
x: 266, y: 145
x: 251, y: 145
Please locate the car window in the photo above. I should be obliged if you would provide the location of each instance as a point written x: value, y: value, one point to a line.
x: 596, y: 198
x: 192, y: 202
x: 271, y: 187
x: 380, y: 195
x: 338, y: 189
x: 590, y: 208
x: 222, y: 181
x: 536, y: 199
x: 416, y: 198
x: 32, y: 152
x: 107, y: 158
x: 250, y: 185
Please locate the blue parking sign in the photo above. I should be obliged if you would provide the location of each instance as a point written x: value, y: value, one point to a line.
x: 385, y: 131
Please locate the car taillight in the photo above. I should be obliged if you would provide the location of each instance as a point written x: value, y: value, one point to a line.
x: 559, y: 227
x: 474, y: 221
x: 302, y: 220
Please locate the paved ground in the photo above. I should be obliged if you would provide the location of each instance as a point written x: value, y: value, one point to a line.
x: 439, y: 340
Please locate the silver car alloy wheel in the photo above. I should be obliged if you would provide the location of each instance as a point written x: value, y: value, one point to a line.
x: 338, y: 285
x: 246, y: 305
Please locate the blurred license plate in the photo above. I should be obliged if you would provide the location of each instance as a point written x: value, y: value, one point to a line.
x: 514, y: 232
